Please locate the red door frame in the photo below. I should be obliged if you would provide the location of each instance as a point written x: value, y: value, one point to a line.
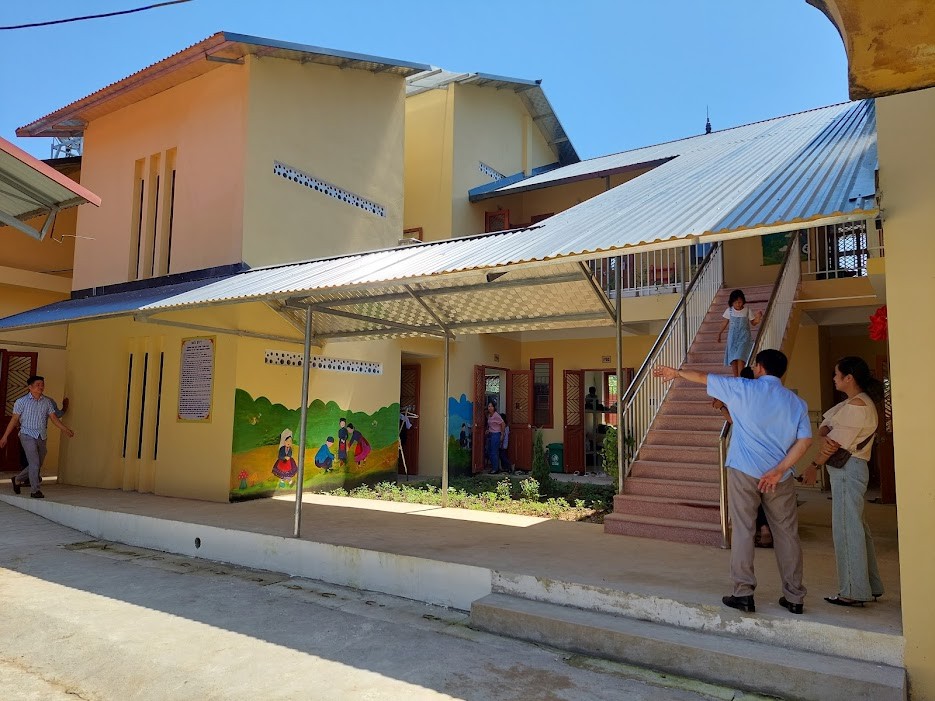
x: 520, y: 448
x: 573, y: 420
x: 9, y: 456
x: 411, y: 448
x: 479, y: 428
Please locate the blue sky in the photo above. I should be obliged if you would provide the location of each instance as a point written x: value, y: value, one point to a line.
x: 619, y: 74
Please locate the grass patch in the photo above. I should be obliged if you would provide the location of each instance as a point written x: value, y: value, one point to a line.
x: 573, y: 501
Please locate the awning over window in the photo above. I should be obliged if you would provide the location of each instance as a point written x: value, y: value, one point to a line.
x: 31, y: 188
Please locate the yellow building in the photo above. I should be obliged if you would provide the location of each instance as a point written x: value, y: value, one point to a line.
x: 246, y: 152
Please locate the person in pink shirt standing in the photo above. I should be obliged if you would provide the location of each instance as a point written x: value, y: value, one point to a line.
x: 494, y: 437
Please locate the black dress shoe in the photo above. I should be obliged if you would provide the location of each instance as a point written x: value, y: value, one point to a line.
x: 793, y: 608
x: 742, y: 603
x: 37, y: 495
x: 841, y: 601
x: 16, y: 489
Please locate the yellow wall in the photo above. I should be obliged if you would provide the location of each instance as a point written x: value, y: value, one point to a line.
x: 193, y: 458
x: 204, y: 119
x: 50, y: 361
x: 344, y: 127
x: 805, y: 374
x: 53, y: 255
x: 429, y: 152
x: 743, y: 264
x: 489, y: 127
x: 576, y: 354
x: 907, y: 181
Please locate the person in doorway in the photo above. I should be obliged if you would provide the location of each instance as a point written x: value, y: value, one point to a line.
x: 591, y: 400
x: 23, y: 458
x: 494, y: 437
x: 324, y: 458
x: 852, y: 425
x: 771, y: 432
x: 505, y: 463
x: 32, y: 413
x: 763, y: 538
x: 738, y: 323
x: 285, y: 467
x: 361, y: 445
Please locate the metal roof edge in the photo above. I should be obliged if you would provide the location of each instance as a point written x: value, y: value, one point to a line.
x: 49, y: 172
x: 476, y: 194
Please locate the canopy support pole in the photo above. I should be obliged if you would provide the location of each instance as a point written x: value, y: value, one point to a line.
x: 303, y: 419
x: 445, y: 380
x: 618, y: 327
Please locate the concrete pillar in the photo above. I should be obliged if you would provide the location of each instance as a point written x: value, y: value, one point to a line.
x: 907, y: 183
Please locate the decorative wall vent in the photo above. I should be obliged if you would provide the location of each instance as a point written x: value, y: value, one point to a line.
x: 297, y: 176
x: 491, y: 173
x: 319, y: 362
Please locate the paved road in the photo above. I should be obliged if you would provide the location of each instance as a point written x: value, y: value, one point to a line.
x: 83, y: 619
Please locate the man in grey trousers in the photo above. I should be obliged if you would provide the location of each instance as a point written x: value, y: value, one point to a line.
x: 32, y: 413
x: 771, y: 432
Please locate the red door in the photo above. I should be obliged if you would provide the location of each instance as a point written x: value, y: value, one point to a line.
x: 409, y: 393
x: 15, y: 369
x: 574, y: 420
x: 884, y: 440
x: 480, y: 420
x: 520, y: 418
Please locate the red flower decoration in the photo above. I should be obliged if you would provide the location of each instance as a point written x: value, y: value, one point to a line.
x: 879, y: 328
x: 243, y: 475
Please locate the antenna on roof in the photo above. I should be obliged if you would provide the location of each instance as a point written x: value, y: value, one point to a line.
x: 707, y: 126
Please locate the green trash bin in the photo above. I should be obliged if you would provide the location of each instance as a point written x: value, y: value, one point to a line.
x: 556, y: 457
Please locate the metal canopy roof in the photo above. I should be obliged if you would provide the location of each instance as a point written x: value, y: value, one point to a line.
x: 804, y: 170
x: 530, y: 94
x: 213, y: 52
x: 29, y: 188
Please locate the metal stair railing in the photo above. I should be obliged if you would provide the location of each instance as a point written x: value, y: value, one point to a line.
x: 644, y: 396
x: 773, y: 329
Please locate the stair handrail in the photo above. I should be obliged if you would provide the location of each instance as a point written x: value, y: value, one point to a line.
x: 773, y: 328
x: 641, y: 401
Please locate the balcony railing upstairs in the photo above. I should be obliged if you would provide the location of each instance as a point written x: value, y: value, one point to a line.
x: 840, y: 250
x: 650, y: 273
x: 772, y: 333
x: 644, y: 396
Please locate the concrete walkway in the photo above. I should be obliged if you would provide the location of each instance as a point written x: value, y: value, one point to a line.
x: 454, y: 557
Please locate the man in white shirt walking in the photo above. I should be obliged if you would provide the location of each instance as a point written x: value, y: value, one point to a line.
x: 31, y: 413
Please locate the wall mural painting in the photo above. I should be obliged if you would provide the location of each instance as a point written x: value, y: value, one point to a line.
x: 460, y: 420
x: 776, y: 245
x: 344, y: 448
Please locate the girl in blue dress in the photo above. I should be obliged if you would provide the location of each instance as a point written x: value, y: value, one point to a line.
x: 738, y: 324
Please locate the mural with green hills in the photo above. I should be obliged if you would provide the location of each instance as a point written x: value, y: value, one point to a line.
x: 265, y: 447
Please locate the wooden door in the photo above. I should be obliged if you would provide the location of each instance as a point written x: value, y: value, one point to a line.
x: 884, y: 441
x: 519, y: 401
x: 410, y: 390
x: 574, y: 420
x: 480, y: 420
x: 15, y: 369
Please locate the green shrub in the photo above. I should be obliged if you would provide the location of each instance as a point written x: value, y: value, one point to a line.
x: 610, y: 452
x: 540, y: 466
x: 529, y: 488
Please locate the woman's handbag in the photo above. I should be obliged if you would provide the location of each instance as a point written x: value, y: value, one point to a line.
x: 840, y: 457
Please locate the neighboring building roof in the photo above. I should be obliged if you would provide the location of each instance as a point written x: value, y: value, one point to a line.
x: 196, y: 60
x: 29, y: 188
x: 808, y: 169
x: 529, y: 92
x: 702, y: 149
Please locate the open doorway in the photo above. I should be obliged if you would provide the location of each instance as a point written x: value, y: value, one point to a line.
x: 410, y: 390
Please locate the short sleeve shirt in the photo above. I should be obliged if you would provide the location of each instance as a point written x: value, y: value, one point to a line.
x: 495, y: 423
x: 731, y: 313
x: 34, y: 415
x: 768, y: 420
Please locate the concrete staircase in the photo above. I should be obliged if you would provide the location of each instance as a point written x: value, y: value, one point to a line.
x: 673, y: 489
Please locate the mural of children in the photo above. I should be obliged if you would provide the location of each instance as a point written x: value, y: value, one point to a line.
x: 324, y: 458
x: 342, y: 440
x: 462, y: 439
x: 285, y: 468
x: 361, y: 445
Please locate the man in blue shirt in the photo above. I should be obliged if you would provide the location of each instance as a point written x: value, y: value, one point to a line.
x: 771, y: 432
x: 32, y: 413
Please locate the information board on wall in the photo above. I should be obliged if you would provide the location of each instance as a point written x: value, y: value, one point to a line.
x: 196, y: 379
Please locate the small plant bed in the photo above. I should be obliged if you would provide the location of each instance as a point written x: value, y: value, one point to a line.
x: 510, y: 495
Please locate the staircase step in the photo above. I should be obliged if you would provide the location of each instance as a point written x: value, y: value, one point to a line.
x: 714, y: 422
x: 686, y: 438
x: 672, y: 530
x: 706, y: 473
x: 672, y: 489
x: 680, y: 453
x: 663, y: 507
x: 746, y: 664
x: 692, y: 407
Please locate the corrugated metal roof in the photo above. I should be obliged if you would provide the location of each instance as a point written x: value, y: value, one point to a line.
x: 221, y: 48
x: 99, y: 307
x: 805, y: 169
x: 29, y: 187
x: 529, y: 92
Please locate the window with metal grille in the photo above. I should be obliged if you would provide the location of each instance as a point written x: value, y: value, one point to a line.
x: 541, y: 392
x: 497, y: 221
